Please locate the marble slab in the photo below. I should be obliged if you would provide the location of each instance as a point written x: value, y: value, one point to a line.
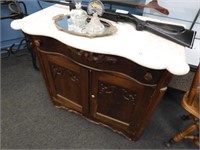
x: 142, y: 47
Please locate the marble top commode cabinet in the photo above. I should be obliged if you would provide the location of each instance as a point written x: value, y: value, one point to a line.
x: 105, y: 88
x: 107, y: 80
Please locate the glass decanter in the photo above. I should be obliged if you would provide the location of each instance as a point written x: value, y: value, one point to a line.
x: 78, y: 17
x: 95, y: 26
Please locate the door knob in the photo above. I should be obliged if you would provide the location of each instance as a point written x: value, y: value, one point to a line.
x: 92, y: 96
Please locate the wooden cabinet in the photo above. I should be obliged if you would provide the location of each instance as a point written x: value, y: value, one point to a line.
x: 107, y: 89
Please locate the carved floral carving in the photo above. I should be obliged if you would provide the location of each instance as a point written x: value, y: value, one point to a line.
x: 92, y: 57
x: 61, y: 71
x: 105, y: 88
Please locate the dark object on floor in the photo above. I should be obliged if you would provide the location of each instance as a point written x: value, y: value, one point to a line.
x: 190, y: 103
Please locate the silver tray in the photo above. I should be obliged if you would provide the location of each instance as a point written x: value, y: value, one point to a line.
x: 62, y: 25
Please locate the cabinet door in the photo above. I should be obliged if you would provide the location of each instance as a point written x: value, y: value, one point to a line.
x: 119, y: 101
x: 67, y: 81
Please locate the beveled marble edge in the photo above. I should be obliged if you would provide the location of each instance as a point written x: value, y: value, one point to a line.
x: 142, y: 47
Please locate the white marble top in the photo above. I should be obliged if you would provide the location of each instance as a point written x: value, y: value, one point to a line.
x: 142, y: 47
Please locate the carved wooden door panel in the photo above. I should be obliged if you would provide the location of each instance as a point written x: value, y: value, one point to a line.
x: 68, y: 82
x: 117, y: 101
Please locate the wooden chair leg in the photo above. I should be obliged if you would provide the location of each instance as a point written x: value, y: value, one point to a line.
x: 184, y: 134
x: 196, y: 141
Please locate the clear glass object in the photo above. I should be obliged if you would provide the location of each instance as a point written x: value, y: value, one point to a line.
x: 77, y: 21
x: 95, y: 26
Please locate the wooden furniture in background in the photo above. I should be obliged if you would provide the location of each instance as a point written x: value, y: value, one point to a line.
x: 107, y: 89
x: 190, y: 103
